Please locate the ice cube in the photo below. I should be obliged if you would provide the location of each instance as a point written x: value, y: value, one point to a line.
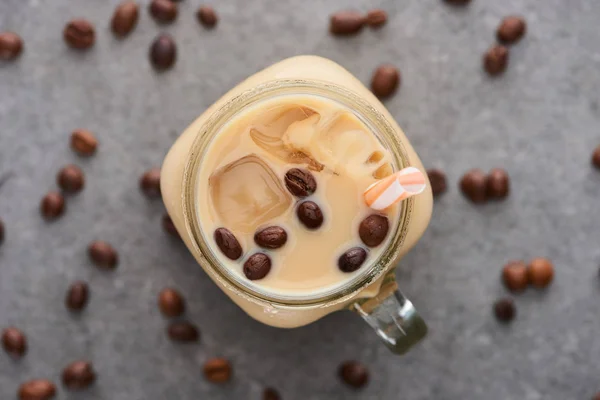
x: 246, y: 193
x: 278, y: 119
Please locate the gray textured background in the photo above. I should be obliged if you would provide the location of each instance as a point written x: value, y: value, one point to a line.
x: 540, y: 121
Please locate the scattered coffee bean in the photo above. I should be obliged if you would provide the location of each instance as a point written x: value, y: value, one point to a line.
x: 228, y: 243
x: 505, y: 309
x: 271, y: 394
x: 77, y: 296
x: 78, y: 375
x: 385, y: 81
x: 37, y: 389
x: 83, y: 142
x: 11, y: 46
x: 1, y: 231
x: 373, y: 230
x: 183, y: 332
x: 163, y: 11
x: 376, y: 18
x: 79, y: 34
x: 257, y: 266
x: 514, y: 276
x: 125, y: 18
x: 354, y: 374
x: 346, y: 23
x: 596, y: 157
x: 310, y: 214
x: 272, y: 237
x: 207, y: 16
x: 150, y: 182
x: 511, y: 29
x: 300, y: 182
x: 541, y: 272
x: 169, y: 226
x: 597, y: 396
x: 163, y: 52
x: 497, y: 184
x: 217, y: 370
x: 14, y: 342
x: 458, y: 2
x: 70, y: 179
x: 495, y: 60
x: 52, y: 206
x: 171, y: 303
x: 437, y: 178
x: 352, y: 259
x: 473, y: 186
x: 103, y: 254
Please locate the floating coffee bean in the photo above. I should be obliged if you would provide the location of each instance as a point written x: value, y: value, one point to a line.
x: 373, y: 230
x: 14, y: 342
x: 37, y: 389
x: 352, y: 259
x: 346, y: 23
x: 125, y: 18
x: 474, y: 186
x: 70, y: 179
x: 376, y: 18
x: 83, y: 142
x: 505, y: 310
x: 183, y: 332
x: 300, y: 182
x: 540, y: 272
x: 78, y: 375
x: 79, y: 34
x: 171, y: 303
x: 310, y: 214
x: 150, y: 182
x: 272, y: 237
x: 385, y: 81
x: 207, y: 16
x: 169, y: 226
x: 495, y: 60
x: 163, y: 52
x: 354, y: 374
x: 257, y: 266
x: 271, y: 394
x: 217, y: 370
x: 103, y: 254
x: 163, y: 10
x: 77, y: 296
x: 511, y: 29
x: 1, y: 231
x: 52, y: 206
x: 497, y: 184
x: 228, y: 243
x: 437, y: 178
x: 514, y: 276
x: 596, y: 157
x: 11, y: 46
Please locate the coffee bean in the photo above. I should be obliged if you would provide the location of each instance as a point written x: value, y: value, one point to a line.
x: 83, y: 142
x: 352, y: 259
x: 597, y: 396
x: 125, y: 18
x: 150, y: 182
x: 511, y: 29
x: 300, y: 182
x: 79, y: 34
x: 52, y: 206
x: 171, y: 303
x: 78, y: 375
x: 354, y: 374
x: 207, y: 16
x: 373, y: 230
x: 497, y: 184
x: 376, y: 18
x: 474, y: 186
x: 11, y: 46
x: 37, y: 389
x: 257, y: 266
x: 346, y: 23
x: 310, y: 214
x: 1, y: 231
x: 14, y: 342
x: 77, y: 296
x: 217, y: 370
x: 70, y: 179
x: 495, y: 60
x: 169, y: 226
x: 514, y: 276
x: 458, y: 2
x: 103, y: 254
x: 437, y: 178
x: 163, y: 11
x: 163, y: 52
x: 271, y: 394
x: 183, y: 332
x: 596, y: 157
x: 385, y: 81
x: 272, y: 237
x: 228, y: 243
x: 505, y: 310
x: 541, y: 272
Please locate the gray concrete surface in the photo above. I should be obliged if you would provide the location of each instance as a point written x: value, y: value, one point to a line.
x: 540, y: 121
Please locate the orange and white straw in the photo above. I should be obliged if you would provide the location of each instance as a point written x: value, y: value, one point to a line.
x: 396, y: 187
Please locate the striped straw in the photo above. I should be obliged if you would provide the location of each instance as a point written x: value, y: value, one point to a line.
x: 394, y: 188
